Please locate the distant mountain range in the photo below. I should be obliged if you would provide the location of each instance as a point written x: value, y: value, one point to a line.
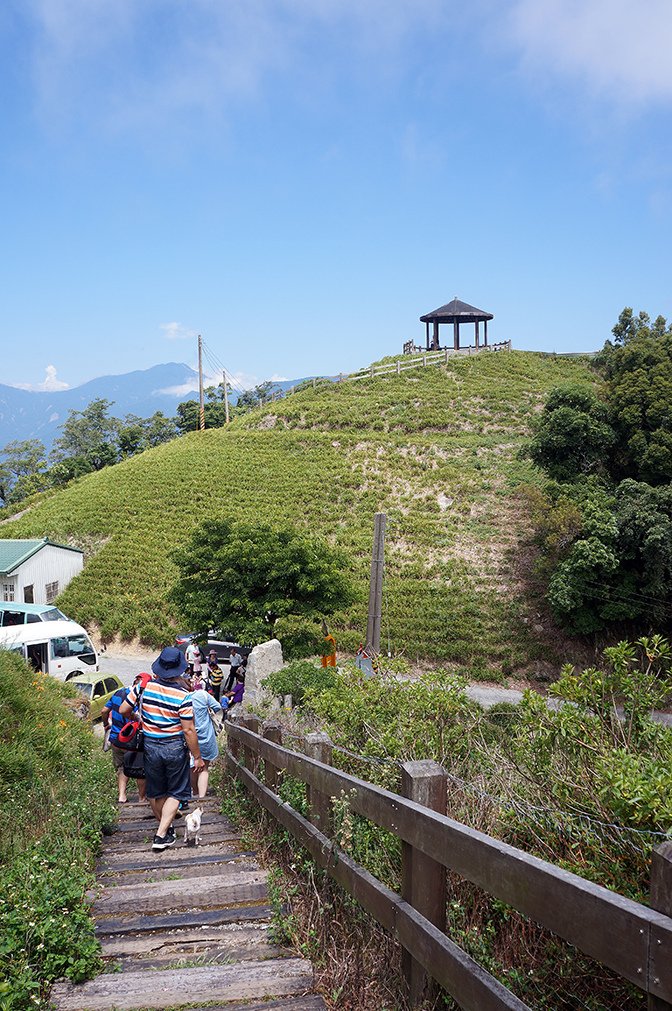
x: 28, y: 414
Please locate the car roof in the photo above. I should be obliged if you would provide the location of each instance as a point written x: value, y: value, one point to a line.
x: 39, y: 631
x: 11, y: 605
x: 90, y: 677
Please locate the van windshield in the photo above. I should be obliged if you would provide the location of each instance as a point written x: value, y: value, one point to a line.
x: 65, y: 646
x: 53, y: 614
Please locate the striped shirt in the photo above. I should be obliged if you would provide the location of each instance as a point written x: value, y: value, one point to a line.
x: 164, y: 706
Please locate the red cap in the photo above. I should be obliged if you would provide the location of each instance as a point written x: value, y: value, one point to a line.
x: 144, y: 679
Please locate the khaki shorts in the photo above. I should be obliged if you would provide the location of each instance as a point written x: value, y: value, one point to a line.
x: 117, y: 757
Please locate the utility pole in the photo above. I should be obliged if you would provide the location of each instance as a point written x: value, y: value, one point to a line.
x: 376, y: 585
x: 226, y: 396
x: 201, y: 411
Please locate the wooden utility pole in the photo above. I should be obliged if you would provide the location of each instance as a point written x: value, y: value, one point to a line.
x: 226, y: 397
x: 376, y: 585
x: 201, y: 405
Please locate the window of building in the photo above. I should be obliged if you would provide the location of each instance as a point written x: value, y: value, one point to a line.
x: 28, y: 596
x: 51, y: 592
x: 8, y: 591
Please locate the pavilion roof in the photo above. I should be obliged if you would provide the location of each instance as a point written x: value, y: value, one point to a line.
x: 456, y: 311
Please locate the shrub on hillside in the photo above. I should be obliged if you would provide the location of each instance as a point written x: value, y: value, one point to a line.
x: 298, y: 678
x: 243, y: 578
x: 56, y: 796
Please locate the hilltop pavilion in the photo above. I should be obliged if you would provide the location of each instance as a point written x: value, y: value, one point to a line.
x: 456, y: 312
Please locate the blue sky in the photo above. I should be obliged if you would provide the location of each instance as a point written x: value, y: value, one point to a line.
x: 300, y: 180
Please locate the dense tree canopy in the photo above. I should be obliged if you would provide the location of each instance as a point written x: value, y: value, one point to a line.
x: 249, y: 580
x: 573, y: 435
x: 605, y: 522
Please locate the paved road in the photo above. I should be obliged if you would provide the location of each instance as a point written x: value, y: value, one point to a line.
x: 125, y: 666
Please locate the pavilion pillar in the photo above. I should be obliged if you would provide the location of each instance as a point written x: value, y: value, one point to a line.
x: 435, y: 341
x: 427, y: 334
x: 456, y: 335
x: 485, y: 336
x: 476, y: 331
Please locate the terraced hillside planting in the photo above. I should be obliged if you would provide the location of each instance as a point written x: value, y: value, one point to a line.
x: 436, y: 448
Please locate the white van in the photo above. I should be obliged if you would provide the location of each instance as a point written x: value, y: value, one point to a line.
x: 59, y: 648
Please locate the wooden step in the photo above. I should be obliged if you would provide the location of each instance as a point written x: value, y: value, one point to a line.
x: 220, y: 866
x: 145, y: 836
x: 250, y: 937
x: 136, y: 841
x: 191, y: 919
x: 208, y: 824
x: 175, y: 988
x: 209, y: 892
x: 130, y: 859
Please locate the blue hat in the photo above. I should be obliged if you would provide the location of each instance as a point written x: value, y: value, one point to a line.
x: 170, y: 664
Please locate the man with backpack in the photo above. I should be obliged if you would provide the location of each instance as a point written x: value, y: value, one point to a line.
x: 114, y: 721
x: 169, y: 735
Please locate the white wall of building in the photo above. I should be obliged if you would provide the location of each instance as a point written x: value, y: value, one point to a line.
x: 47, y: 566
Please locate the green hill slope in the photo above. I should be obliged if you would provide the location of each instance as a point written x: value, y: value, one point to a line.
x: 436, y: 448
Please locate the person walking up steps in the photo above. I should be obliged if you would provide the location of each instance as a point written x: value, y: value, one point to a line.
x: 203, y: 705
x: 114, y: 721
x: 170, y: 734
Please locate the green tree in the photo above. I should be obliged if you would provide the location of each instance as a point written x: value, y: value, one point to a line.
x: 91, y: 435
x: 573, y: 435
x: 22, y: 470
x: 245, y: 578
x: 638, y: 375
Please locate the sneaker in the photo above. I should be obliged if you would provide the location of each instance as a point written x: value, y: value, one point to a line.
x: 162, y: 842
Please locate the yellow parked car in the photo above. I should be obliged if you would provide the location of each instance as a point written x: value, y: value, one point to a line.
x: 98, y: 688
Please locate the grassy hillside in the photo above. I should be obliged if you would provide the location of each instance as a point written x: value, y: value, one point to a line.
x: 436, y: 448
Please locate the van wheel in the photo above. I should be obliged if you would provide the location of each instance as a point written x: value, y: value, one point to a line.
x: 73, y: 674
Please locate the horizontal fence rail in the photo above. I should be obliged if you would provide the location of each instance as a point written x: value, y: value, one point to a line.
x: 395, y: 368
x: 630, y: 938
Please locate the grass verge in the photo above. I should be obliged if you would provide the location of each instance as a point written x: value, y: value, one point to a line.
x: 56, y: 791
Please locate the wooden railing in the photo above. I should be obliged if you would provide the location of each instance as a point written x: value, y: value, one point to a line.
x: 632, y: 939
x: 396, y: 368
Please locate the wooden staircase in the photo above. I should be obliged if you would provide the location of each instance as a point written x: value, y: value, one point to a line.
x: 186, y: 926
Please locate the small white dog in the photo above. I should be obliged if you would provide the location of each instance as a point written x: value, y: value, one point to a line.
x: 192, y: 825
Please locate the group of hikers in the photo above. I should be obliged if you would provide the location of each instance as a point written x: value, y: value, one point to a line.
x: 161, y: 731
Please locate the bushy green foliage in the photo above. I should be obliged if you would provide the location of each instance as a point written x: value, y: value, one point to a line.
x: 298, y: 678
x: 56, y: 793
x: 607, y: 543
x: 638, y: 373
x: 435, y: 448
x: 573, y: 435
x: 242, y: 578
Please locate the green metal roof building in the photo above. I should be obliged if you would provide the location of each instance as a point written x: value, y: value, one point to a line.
x: 36, y: 571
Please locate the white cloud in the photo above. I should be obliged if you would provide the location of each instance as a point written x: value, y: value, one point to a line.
x: 278, y: 379
x: 177, y: 332
x: 132, y: 63
x: 619, y: 49
x: 50, y: 383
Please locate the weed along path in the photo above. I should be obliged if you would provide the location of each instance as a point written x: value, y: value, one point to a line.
x: 185, y: 927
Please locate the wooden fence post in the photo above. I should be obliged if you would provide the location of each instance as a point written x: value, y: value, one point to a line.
x: 272, y: 732
x: 250, y: 722
x: 423, y: 880
x: 661, y: 901
x: 318, y: 746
